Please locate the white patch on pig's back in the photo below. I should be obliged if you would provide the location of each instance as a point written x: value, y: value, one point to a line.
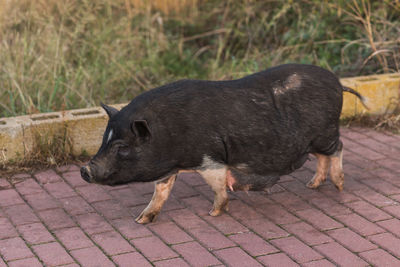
x: 291, y: 83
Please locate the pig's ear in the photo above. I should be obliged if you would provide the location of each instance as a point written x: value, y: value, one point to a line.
x: 141, y: 129
x: 110, y: 110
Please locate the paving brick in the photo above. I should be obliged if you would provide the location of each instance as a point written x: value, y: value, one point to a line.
x: 290, y: 201
x: 277, y: 260
x: 52, y: 254
x: 206, y: 191
x: 195, y: 254
x: 277, y: 214
x: 226, y: 224
x: 351, y: 134
x: 374, y: 197
x: 379, y: 257
x: 130, y: 229
x: 128, y: 197
x: 177, y: 262
x: 253, y: 244
x: 4, y: 184
x: 382, y: 186
x: 20, y: 214
x: 394, y: 210
x: 253, y: 198
x: 296, y: 249
x: 192, y: 179
x: 56, y: 219
x: 60, y: 190
x: 68, y: 168
x: 242, y: 211
x: 211, y: 238
x: 392, y: 164
x: 10, y: 197
x: 182, y: 190
x: 368, y: 211
x: 93, y: 223
x: 29, y: 262
x: 132, y: 259
x: 7, y: 230
x: 73, y: 238
x: 142, y: 188
x: 74, y: 178
x: 318, y: 219
x: 367, y: 153
x: 330, y: 207
x: 186, y: 219
x: 93, y: 193
x: 318, y: 263
x: 35, y: 233
x: 14, y: 248
x: 28, y: 186
x: 392, y: 225
x: 351, y: 240
x: 42, y: 201
x: 359, y: 224
x: 236, y: 257
x: 266, y: 228
x: 76, y: 205
x: 307, y: 233
x: 170, y: 233
x: 340, y: 255
x: 198, y: 204
x: 340, y: 197
x: 153, y: 248
x: 387, y: 241
x: 112, y: 243
x: 111, y: 209
x: 91, y: 257
x: 47, y: 176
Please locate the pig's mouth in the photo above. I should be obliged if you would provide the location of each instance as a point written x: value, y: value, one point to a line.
x: 88, y: 175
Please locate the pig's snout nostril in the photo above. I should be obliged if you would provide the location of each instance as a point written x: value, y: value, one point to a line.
x: 85, y: 173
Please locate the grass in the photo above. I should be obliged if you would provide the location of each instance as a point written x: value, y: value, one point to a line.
x: 58, y: 55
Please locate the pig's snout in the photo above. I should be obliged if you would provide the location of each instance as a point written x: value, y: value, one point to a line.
x: 85, y: 173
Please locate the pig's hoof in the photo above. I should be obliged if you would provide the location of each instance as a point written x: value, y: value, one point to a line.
x: 315, y: 182
x: 338, y: 181
x: 339, y: 187
x: 311, y: 184
x: 214, y: 212
x: 143, y: 219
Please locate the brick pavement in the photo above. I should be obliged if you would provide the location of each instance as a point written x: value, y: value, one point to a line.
x: 54, y: 218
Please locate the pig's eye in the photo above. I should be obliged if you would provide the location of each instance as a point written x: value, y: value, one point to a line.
x: 124, y: 151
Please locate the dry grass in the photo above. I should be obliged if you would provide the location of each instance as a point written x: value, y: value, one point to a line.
x: 59, y: 55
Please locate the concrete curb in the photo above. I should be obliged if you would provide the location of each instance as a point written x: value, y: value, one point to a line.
x: 84, y: 127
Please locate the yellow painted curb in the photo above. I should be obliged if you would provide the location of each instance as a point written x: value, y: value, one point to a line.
x: 382, y: 93
x: 84, y: 127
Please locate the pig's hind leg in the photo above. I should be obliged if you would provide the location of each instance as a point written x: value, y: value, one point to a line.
x: 319, y: 177
x: 331, y: 163
x: 161, y: 192
x: 336, y: 171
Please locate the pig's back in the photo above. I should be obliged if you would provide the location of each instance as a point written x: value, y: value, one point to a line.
x: 266, y: 120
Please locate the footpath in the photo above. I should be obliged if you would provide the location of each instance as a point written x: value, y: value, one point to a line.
x: 54, y: 218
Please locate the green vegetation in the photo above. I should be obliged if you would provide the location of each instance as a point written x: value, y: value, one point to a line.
x: 57, y: 55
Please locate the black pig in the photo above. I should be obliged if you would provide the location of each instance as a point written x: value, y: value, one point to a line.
x: 241, y: 134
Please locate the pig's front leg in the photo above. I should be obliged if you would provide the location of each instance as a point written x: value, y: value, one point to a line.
x: 161, y: 192
x: 216, y: 178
